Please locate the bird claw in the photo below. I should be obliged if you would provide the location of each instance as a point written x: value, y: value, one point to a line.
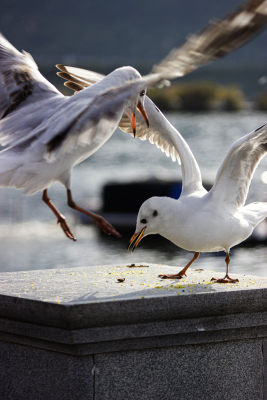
x: 226, y: 279
x: 66, y: 229
x: 106, y: 227
x: 171, y: 276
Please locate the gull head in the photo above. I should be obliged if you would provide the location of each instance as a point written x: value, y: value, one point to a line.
x: 136, y: 101
x: 149, y: 220
x: 139, y: 105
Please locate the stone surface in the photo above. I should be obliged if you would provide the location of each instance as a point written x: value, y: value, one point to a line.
x: 231, y: 371
x: 91, y: 296
x: 67, y: 334
x: 28, y: 373
x: 99, y: 283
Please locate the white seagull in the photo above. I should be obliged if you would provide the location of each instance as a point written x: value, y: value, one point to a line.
x: 46, y: 133
x: 202, y: 221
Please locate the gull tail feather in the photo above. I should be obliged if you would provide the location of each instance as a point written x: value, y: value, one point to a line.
x: 255, y: 212
x: 8, y: 169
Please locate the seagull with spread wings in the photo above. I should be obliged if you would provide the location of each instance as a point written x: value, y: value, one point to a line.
x: 202, y: 221
x: 46, y: 134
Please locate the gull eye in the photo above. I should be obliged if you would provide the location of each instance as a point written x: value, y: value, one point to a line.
x: 143, y: 221
x: 155, y: 213
x: 142, y: 93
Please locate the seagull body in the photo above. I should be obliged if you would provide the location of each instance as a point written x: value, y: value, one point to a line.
x: 46, y: 133
x: 197, y: 223
x: 202, y: 221
x: 61, y: 140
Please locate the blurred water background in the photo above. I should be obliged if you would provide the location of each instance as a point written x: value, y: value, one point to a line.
x: 30, y: 238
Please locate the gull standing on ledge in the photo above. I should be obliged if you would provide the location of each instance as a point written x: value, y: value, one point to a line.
x: 47, y: 134
x: 202, y: 221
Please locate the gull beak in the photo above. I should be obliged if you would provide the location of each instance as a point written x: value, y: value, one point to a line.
x: 133, y: 123
x: 132, y: 118
x: 142, y: 111
x: 136, y: 239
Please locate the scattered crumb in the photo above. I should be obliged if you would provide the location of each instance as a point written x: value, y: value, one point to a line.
x: 137, y: 266
x: 119, y: 280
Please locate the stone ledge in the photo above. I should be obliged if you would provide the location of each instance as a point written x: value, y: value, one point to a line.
x: 71, y: 310
x: 82, y: 335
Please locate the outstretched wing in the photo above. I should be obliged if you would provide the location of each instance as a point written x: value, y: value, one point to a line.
x: 81, y: 124
x: 215, y: 41
x: 235, y: 174
x: 89, y: 122
x: 21, y: 86
x: 160, y: 131
x: 163, y: 134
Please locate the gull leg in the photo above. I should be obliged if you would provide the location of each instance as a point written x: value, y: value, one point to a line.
x: 227, y: 278
x: 60, y: 218
x: 104, y: 225
x: 181, y: 273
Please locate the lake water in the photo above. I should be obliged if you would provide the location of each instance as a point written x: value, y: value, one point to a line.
x: 31, y: 239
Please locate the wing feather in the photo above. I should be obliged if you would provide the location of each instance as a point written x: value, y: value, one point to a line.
x: 216, y: 40
x: 234, y: 176
x: 163, y: 134
x: 78, y: 78
x: 90, y: 123
x: 21, y: 87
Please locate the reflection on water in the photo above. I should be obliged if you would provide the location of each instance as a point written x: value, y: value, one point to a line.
x: 30, y: 238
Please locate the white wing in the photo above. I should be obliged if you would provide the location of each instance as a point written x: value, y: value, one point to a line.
x: 22, y: 87
x: 163, y: 134
x: 235, y: 174
x: 94, y: 123
x: 215, y: 41
x: 82, y: 123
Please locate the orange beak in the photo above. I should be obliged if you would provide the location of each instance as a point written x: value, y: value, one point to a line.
x: 136, y: 239
x: 133, y: 123
x: 142, y: 111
